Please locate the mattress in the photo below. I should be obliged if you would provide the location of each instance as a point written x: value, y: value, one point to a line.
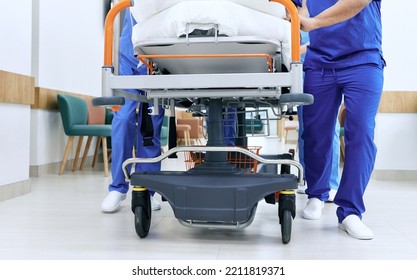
x: 174, y: 19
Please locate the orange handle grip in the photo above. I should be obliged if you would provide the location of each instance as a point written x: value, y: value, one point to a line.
x: 108, y: 30
x: 295, y: 28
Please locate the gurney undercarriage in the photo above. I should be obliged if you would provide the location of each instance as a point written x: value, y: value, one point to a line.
x: 215, y: 193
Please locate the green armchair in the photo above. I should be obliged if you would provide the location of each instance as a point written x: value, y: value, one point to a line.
x: 74, y: 115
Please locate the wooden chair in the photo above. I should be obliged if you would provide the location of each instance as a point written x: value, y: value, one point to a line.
x: 289, y: 126
x: 183, y: 134
x: 195, y: 124
x: 96, y: 116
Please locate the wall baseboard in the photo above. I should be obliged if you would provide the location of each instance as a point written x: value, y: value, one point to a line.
x: 14, y: 190
x: 53, y: 168
x: 41, y: 170
x: 395, y: 175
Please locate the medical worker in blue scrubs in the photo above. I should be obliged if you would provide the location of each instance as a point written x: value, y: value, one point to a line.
x: 124, y: 131
x: 344, y: 60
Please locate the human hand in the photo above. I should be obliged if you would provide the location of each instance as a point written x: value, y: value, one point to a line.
x: 308, y: 24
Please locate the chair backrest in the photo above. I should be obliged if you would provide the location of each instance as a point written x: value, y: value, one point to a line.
x: 196, y: 131
x: 74, y: 111
x: 96, y: 114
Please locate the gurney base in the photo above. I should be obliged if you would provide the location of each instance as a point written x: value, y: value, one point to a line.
x: 213, y: 198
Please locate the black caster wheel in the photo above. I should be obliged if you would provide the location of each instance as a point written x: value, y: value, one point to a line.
x: 141, y: 207
x: 142, y: 221
x: 286, y: 224
x: 286, y: 213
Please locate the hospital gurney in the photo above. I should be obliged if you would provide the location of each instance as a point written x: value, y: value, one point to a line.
x: 211, y: 71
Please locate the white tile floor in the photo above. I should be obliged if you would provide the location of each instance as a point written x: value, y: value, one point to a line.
x: 61, y: 219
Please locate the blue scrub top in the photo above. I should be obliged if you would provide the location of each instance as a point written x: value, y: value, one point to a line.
x: 126, y: 46
x: 353, y: 42
x: 305, y: 38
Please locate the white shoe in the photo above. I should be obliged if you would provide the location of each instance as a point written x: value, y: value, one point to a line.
x: 356, y: 228
x: 155, y: 205
x: 313, y: 209
x: 332, y: 194
x: 302, y: 189
x: 111, y: 202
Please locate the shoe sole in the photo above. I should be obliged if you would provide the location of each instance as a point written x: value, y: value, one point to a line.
x: 308, y: 217
x: 116, y: 208
x: 365, y: 237
x: 156, y: 208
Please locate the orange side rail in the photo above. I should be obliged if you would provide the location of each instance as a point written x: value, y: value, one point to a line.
x: 108, y: 30
x: 295, y: 28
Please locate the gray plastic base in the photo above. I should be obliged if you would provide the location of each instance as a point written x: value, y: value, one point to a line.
x: 213, y: 197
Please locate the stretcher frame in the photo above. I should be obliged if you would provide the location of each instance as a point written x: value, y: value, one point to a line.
x: 160, y: 88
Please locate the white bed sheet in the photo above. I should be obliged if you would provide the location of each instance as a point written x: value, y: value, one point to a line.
x: 144, y: 9
x: 232, y: 19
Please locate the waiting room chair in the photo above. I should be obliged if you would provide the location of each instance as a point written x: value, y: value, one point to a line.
x: 289, y: 125
x: 195, y: 124
x: 74, y: 115
x: 183, y: 134
x: 96, y: 116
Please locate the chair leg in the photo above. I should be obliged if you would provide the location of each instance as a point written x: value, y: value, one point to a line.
x: 66, y: 154
x: 77, y: 152
x: 105, y: 159
x: 86, y: 149
x: 96, y: 152
x: 187, y: 138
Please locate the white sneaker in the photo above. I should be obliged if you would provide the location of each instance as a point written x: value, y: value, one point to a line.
x: 155, y: 205
x: 111, y: 202
x: 356, y: 228
x: 313, y: 209
x: 332, y: 194
x: 302, y: 189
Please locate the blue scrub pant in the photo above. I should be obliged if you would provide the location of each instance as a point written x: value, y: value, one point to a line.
x: 125, y: 134
x: 334, y: 175
x: 230, y: 123
x: 361, y: 88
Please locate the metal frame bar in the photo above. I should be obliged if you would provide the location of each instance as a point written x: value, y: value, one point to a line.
x: 213, y: 149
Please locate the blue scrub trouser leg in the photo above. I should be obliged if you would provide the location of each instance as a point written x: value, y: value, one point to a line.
x: 334, y: 175
x: 361, y: 87
x: 230, y: 122
x: 124, y: 135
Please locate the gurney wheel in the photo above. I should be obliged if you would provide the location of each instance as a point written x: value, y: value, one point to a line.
x: 142, y: 220
x: 286, y: 212
x: 286, y: 224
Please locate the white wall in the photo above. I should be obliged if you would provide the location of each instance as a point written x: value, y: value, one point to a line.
x: 396, y: 134
x: 71, y: 45
x: 399, y: 44
x: 70, y: 58
x: 15, y: 36
x: 15, y: 56
x: 48, y: 138
x: 14, y: 143
x: 396, y: 139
